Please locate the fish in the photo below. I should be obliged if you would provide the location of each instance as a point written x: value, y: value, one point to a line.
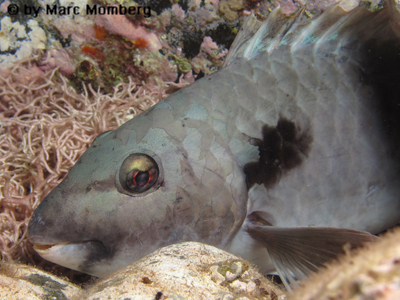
x: 287, y: 156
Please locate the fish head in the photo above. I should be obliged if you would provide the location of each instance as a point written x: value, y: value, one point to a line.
x: 136, y: 189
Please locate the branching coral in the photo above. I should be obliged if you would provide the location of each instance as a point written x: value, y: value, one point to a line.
x: 45, y: 126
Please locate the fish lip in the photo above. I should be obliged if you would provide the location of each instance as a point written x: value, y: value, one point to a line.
x: 43, y: 246
x: 81, y: 256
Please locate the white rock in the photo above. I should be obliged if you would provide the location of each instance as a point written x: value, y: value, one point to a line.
x: 187, y: 270
x: 239, y: 286
x: 20, y: 282
x: 182, y: 271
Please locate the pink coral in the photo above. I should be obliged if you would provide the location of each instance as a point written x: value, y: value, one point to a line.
x: 4, y: 6
x: 120, y: 25
x: 80, y: 30
x: 216, y: 4
x: 58, y: 58
x: 208, y: 44
x: 178, y: 11
x: 288, y: 7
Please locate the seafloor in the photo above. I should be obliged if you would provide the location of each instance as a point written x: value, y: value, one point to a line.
x: 67, y: 77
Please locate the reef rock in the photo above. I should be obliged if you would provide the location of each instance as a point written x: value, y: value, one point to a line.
x: 22, y: 282
x: 197, y: 271
x: 182, y: 271
x: 187, y: 271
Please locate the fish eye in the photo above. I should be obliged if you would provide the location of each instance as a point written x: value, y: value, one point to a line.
x: 138, y: 173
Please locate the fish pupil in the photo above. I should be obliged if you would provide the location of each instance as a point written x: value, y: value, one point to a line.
x: 141, y: 178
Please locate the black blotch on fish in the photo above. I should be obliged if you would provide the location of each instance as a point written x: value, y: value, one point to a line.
x: 282, y: 149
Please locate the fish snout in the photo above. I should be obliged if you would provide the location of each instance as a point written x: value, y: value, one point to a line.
x: 46, y: 226
x: 36, y: 227
x: 81, y: 255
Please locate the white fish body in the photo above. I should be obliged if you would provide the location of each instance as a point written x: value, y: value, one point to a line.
x: 270, y: 158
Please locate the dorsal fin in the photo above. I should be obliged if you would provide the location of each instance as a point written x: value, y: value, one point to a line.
x: 255, y: 36
x: 297, y: 31
x: 239, y: 45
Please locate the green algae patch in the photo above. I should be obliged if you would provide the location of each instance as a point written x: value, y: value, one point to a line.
x: 52, y: 287
x: 233, y: 269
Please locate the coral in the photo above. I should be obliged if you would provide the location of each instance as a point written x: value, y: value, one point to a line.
x: 9, y: 33
x: 18, y: 41
x: 58, y: 59
x: 120, y: 25
x: 103, y: 50
x: 230, y: 8
x: 208, y: 44
x: 178, y: 11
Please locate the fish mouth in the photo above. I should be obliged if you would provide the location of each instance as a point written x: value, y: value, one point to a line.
x: 81, y: 256
x: 42, y: 247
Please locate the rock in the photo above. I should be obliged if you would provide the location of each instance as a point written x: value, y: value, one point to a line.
x: 181, y: 271
x: 186, y: 271
x: 197, y: 271
x: 22, y: 282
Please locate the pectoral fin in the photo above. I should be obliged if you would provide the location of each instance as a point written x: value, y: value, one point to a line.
x: 297, y: 252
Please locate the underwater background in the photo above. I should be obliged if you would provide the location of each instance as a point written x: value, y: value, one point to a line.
x: 69, y: 74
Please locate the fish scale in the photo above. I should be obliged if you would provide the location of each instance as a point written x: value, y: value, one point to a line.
x: 282, y: 157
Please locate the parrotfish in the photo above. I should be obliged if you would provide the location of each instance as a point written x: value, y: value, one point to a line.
x: 284, y: 156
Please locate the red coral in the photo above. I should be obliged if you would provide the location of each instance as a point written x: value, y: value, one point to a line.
x: 119, y: 24
x: 93, y: 52
x: 100, y: 32
x: 140, y: 43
